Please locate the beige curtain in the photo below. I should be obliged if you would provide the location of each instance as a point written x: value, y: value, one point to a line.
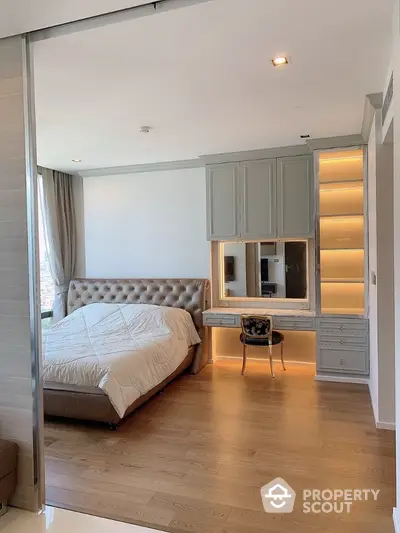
x: 59, y: 215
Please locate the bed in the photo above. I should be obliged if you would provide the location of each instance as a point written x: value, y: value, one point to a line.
x: 159, y: 320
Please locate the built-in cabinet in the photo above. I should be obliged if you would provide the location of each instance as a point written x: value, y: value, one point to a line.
x: 342, y: 329
x: 261, y: 199
x: 295, y: 197
x: 257, y: 193
x: 222, y: 202
x: 342, y: 346
x: 274, y: 199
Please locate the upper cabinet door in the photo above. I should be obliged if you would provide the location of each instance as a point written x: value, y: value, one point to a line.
x: 258, y: 194
x: 222, y: 202
x: 295, y: 197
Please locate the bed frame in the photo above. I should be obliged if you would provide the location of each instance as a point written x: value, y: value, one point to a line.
x: 189, y: 294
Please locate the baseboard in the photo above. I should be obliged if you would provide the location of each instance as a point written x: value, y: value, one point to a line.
x: 380, y: 424
x: 342, y: 379
x: 385, y: 425
x: 396, y: 521
x: 373, y: 404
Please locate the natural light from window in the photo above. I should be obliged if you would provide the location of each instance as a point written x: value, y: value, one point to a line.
x: 46, y: 281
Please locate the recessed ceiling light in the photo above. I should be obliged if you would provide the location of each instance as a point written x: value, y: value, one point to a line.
x: 77, y: 160
x: 278, y: 61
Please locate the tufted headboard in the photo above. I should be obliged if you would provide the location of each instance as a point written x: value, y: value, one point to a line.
x: 189, y: 294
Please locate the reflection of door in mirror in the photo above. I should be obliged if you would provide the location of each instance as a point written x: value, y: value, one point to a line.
x: 276, y: 269
x: 295, y: 269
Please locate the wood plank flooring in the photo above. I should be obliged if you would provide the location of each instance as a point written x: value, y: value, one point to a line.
x: 194, y: 458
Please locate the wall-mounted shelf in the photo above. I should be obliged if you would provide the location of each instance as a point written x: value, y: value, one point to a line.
x: 341, y: 231
x: 342, y: 280
x: 359, y: 311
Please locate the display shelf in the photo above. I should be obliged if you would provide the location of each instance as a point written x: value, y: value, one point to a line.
x: 342, y: 295
x: 345, y: 165
x: 341, y: 232
x: 342, y: 311
x: 346, y: 185
x: 342, y: 264
x: 342, y: 280
x: 339, y: 202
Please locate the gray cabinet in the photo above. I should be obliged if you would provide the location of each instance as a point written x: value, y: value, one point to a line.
x: 342, y: 346
x: 222, y: 202
x: 295, y: 197
x: 258, y: 194
x: 260, y: 199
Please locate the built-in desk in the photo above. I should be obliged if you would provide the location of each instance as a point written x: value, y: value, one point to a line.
x: 281, y: 318
x: 342, y: 341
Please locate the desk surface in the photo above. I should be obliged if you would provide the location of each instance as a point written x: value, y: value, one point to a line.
x: 260, y: 311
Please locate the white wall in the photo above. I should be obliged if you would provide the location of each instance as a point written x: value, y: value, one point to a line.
x: 385, y: 256
x: 151, y: 224
x: 381, y: 312
x: 373, y: 306
x: 396, y: 239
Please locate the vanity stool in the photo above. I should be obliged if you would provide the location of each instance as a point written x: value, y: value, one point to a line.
x: 257, y: 331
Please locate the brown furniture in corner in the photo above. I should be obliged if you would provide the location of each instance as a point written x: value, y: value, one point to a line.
x: 8, y: 472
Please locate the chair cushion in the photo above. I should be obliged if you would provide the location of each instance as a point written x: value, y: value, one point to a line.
x: 277, y: 338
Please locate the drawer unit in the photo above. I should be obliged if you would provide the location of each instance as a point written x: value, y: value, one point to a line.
x: 344, y: 360
x: 342, y: 343
x: 343, y: 327
x: 294, y: 322
x: 223, y: 320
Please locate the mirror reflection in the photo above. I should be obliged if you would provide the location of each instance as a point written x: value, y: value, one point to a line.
x: 265, y: 269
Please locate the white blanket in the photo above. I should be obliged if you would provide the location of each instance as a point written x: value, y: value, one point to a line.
x: 124, y: 349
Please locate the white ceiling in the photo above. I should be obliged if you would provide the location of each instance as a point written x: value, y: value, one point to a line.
x: 201, y: 77
x: 20, y: 16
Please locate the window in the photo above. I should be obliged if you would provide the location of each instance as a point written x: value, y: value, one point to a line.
x: 46, y: 280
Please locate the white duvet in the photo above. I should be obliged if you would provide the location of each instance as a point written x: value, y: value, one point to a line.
x: 124, y: 349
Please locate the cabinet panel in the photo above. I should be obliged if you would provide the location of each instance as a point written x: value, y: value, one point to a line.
x: 257, y: 185
x: 295, y: 323
x: 295, y: 197
x: 228, y: 320
x: 347, y: 361
x: 222, y: 202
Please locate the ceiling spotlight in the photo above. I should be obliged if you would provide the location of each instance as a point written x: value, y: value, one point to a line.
x: 278, y: 61
x: 145, y: 129
x: 77, y: 160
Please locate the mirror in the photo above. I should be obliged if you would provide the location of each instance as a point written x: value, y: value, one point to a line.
x: 273, y: 269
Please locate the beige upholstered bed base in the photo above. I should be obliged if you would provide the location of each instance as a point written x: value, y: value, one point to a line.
x: 188, y: 294
x: 97, y: 406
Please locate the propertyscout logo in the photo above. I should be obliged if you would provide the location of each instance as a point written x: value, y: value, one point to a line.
x: 279, y: 497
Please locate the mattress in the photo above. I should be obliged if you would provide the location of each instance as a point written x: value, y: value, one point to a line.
x: 124, y: 350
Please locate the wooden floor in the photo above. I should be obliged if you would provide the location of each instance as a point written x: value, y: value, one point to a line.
x: 194, y: 458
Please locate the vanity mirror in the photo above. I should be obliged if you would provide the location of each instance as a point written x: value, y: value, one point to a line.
x: 264, y: 269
